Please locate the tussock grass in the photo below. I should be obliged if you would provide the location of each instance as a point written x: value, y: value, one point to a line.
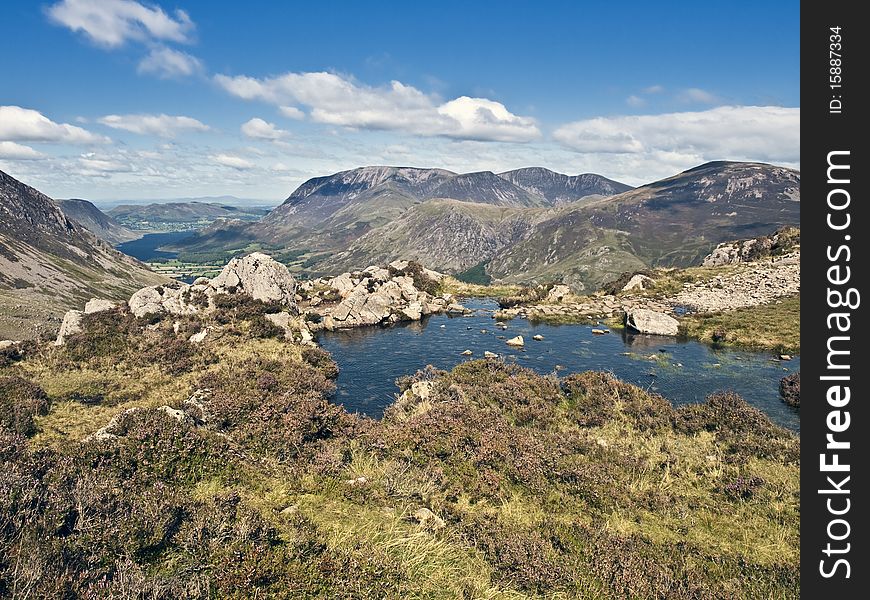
x: 774, y: 326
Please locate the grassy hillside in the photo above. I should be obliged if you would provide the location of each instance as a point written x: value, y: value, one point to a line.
x: 485, y: 482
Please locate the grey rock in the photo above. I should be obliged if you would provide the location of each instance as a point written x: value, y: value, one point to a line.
x: 260, y: 276
x: 649, y: 321
x: 95, y: 305
x: 72, y: 324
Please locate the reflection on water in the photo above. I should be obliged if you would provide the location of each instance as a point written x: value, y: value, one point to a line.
x: 371, y: 358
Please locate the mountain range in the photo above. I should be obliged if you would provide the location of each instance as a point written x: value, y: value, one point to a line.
x: 525, y: 225
x: 50, y: 263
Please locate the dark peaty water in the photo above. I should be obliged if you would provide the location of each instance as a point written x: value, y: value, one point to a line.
x: 371, y: 358
x: 145, y: 248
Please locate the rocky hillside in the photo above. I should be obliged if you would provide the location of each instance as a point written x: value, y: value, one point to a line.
x: 96, y: 221
x: 557, y: 188
x: 49, y: 263
x: 673, y: 222
x: 326, y: 215
x: 188, y: 444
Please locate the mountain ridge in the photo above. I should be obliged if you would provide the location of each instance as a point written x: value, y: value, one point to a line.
x: 49, y: 263
x: 86, y: 214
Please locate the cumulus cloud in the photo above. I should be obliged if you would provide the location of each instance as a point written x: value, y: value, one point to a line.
x: 336, y: 100
x: 111, y: 23
x: 13, y: 151
x: 291, y: 112
x: 167, y: 63
x: 28, y: 125
x: 767, y: 133
x: 166, y: 126
x: 258, y: 129
x: 698, y: 95
x: 635, y: 101
x: 229, y: 160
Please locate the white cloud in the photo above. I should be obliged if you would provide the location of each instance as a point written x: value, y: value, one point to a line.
x: 166, y: 126
x: 229, y: 160
x: 698, y: 95
x: 167, y: 63
x: 767, y: 133
x: 336, y: 100
x: 93, y: 164
x: 28, y: 125
x: 259, y: 129
x: 113, y: 22
x: 653, y: 89
x: 635, y: 101
x: 13, y: 151
x: 291, y: 112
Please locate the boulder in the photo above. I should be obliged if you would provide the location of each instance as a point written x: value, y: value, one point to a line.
x: 201, y: 281
x: 639, y: 282
x: 198, y: 338
x: 72, y: 324
x: 489, y: 354
x: 95, y: 305
x: 343, y: 284
x: 428, y: 520
x: 516, y: 341
x: 467, y: 353
x: 159, y: 299
x: 260, y: 276
x: 558, y: 293
x: 538, y: 337
x: 644, y: 320
x: 7, y: 344
x: 414, y: 311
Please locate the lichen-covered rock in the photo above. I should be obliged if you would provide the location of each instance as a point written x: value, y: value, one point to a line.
x: 260, y: 276
x: 72, y: 324
x: 644, y: 320
x: 159, y: 299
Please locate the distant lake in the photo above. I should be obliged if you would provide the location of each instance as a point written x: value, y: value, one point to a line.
x: 371, y: 358
x: 145, y: 248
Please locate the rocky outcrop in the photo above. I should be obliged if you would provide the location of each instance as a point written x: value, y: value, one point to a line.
x: 375, y: 296
x: 258, y: 275
x: 790, y: 389
x: 649, y: 321
x: 172, y: 298
x: 740, y: 251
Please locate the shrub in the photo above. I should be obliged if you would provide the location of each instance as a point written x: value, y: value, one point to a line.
x: 21, y: 401
x: 417, y: 272
x: 261, y: 327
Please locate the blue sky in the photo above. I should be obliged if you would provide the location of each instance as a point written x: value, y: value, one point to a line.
x: 108, y: 99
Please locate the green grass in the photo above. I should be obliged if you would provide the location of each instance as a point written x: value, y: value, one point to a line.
x: 456, y: 287
x: 476, y: 275
x: 773, y: 326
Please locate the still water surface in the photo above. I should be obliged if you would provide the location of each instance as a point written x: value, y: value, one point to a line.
x: 371, y: 358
